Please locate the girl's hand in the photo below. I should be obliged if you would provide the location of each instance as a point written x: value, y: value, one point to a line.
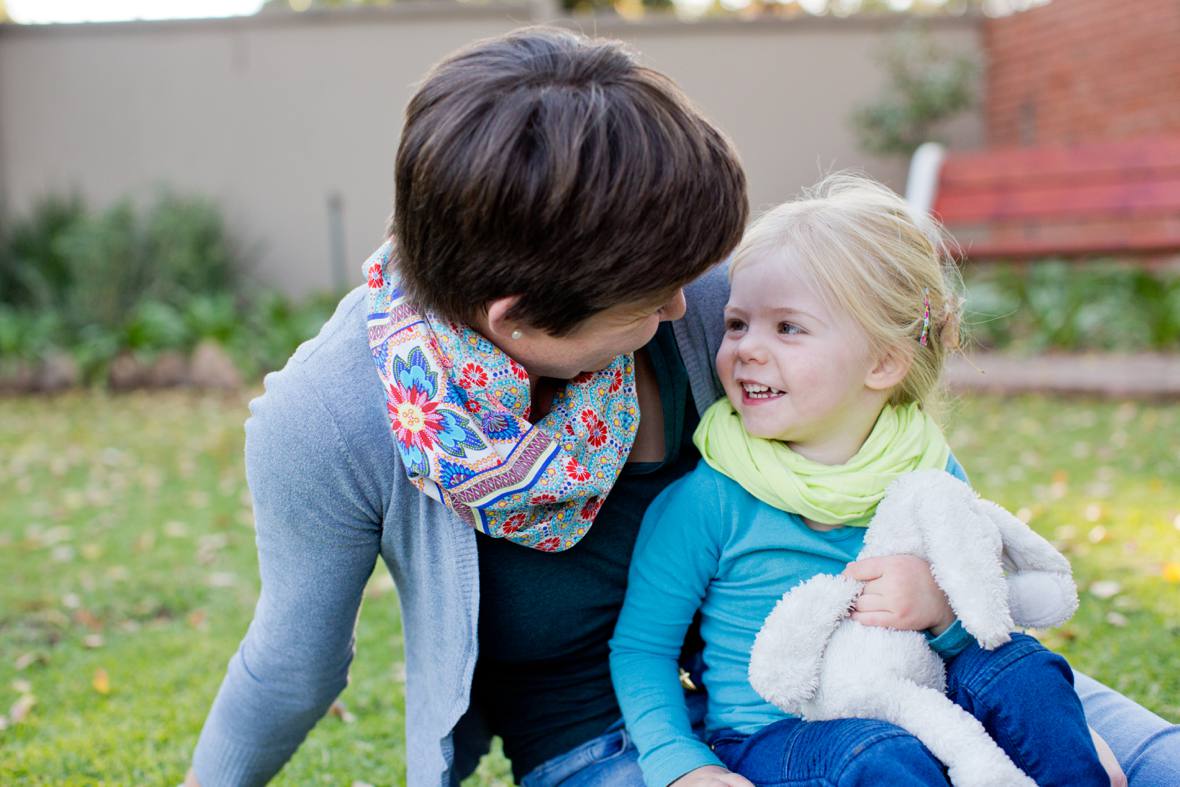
x: 711, y: 776
x: 900, y: 593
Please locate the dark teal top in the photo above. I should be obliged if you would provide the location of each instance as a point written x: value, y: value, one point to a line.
x: 543, y: 681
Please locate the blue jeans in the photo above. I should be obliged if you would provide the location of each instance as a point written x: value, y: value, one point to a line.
x: 1147, y: 746
x: 1022, y: 694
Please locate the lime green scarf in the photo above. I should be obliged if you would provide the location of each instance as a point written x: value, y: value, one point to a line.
x: 903, y: 439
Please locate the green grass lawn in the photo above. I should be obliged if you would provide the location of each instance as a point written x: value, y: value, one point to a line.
x: 128, y: 575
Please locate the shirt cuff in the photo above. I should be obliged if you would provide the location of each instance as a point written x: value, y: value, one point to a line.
x: 668, y: 763
x: 951, y: 642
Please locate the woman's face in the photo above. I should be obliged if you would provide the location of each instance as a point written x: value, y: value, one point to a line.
x: 595, y: 343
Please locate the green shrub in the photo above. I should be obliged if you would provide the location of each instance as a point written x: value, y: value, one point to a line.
x: 1073, y: 306
x: 33, y: 268
x: 98, y: 284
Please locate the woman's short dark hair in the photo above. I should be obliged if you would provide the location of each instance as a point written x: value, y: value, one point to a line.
x: 554, y: 167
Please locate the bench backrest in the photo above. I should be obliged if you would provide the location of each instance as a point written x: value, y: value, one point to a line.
x: 1118, y: 197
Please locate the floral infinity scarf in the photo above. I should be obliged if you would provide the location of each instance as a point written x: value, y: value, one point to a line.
x: 459, y: 406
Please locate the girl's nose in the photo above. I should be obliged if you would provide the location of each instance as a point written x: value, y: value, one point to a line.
x: 750, y: 348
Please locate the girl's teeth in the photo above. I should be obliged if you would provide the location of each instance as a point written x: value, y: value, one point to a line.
x: 760, y: 391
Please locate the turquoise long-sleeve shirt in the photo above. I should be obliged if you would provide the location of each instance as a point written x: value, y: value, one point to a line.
x: 707, y: 544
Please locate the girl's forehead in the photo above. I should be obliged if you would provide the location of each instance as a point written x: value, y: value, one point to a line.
x: 772, y: 278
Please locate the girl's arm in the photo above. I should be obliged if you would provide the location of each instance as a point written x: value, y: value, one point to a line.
x: 675, y: 556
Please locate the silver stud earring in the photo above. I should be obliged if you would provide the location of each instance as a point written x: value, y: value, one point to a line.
x: 517, y: 334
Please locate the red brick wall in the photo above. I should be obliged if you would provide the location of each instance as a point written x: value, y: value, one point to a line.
x: 1083, y: 70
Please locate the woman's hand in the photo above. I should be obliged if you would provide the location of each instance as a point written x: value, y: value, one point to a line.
x: 711, y: 776
x: 900, y: 592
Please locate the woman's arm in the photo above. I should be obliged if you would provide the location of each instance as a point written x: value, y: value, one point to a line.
x: 318, y: 537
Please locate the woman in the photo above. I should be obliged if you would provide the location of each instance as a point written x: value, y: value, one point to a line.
x: 557, y: 207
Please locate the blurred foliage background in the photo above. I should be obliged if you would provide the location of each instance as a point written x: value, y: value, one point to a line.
x: 145, y: 286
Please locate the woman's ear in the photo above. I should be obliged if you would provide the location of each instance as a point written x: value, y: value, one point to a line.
x: 498, y: 323
x: 890, y: 369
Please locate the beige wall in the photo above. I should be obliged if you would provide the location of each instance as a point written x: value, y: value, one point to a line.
x: 270, y: 115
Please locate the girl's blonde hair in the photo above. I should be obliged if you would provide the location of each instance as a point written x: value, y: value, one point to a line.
x: 867, y: 255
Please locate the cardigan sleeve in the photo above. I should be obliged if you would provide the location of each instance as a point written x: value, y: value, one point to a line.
x: 318, y: 537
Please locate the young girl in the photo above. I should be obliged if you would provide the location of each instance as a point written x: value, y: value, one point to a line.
x: 841, y: 313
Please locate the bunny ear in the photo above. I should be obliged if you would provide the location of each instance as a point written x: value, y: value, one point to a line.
x: 1041, y: 590
x: 963, y: 547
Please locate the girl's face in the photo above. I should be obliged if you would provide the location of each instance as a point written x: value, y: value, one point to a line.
x: 794, y: 370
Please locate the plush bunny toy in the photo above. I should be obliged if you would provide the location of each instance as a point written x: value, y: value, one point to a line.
x: 812, y: 660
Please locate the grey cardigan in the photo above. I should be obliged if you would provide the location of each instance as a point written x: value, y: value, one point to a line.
x: 330, y: 495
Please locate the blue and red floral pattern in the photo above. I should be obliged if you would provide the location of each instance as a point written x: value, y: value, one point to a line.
x: 459, y: 414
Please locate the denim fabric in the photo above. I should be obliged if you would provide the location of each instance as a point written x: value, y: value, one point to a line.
x: 604, y: 760
x: 1022, y: 694
x: 845, y: 752
x: 610, y: 760
x: 1147, y: 746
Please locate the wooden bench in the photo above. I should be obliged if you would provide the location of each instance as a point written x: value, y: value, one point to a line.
x: 1117, y: 198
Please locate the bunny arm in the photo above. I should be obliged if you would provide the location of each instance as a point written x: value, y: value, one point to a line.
x: 1041, y: 589
x: 787, y: 652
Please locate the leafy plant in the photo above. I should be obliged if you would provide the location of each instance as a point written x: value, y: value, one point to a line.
x: 927, y: 86
x: 33, y: 268
x: 1059, y: 305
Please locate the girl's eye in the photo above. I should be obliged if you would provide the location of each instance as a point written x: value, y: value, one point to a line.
x: 789, y: 328
x: 734, y: 324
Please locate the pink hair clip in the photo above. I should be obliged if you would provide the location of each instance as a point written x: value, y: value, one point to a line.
x: 925, y: 316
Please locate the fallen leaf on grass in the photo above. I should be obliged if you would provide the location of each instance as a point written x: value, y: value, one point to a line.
x: 88, y: 619
x: 175, y: 529
x: 221, y: 579
x: 1105, y: 588
x: 101, y: 681
x: 339, y: 711
x: 26, y: 660
x: 145, y: 542
x: 197, y: 618
x: 20, y: 709
x: 21, y: 686
x: 93, y: 641
x: 1171, y: 572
